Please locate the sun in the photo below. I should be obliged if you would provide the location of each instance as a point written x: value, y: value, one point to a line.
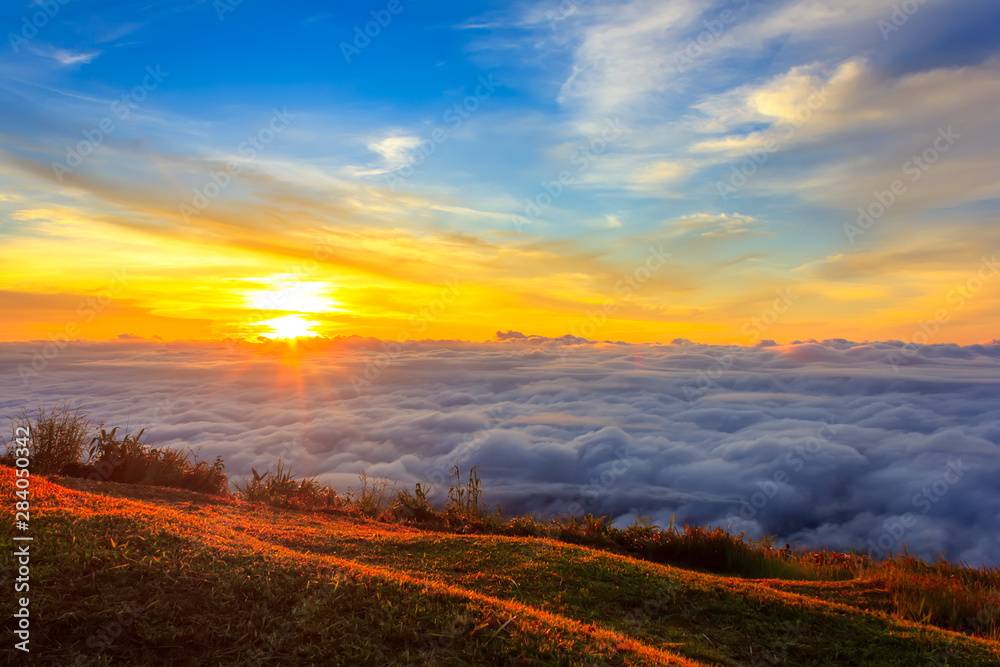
x: 295, y: 299
x: 289, y: 326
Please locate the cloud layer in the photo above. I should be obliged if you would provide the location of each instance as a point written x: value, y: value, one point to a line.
x: 833, y: 442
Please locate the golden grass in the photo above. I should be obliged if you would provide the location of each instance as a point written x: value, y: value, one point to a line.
x: 404, y: 595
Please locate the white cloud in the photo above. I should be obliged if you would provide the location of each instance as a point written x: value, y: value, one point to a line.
x: 856, y: 132
x: 66, y: 56
x: 395, y: 149
x: 621, y: 429
x: 623, y: 53
x: 696, y: 94
x: 716, y: 226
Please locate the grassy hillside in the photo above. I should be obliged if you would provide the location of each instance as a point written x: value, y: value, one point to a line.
x: 136, y: 575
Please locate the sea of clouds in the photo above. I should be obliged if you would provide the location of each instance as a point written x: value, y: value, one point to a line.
x: 863, y: 445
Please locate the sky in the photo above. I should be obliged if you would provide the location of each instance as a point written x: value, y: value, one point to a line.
x: 723, y: 172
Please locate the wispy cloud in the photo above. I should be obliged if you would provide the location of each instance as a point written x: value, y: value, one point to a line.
x: 67, y: 56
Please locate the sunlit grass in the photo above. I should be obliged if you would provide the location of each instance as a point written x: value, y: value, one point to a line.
x: 235, y: 582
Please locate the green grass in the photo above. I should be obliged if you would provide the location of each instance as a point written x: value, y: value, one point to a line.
x: 127, y: 574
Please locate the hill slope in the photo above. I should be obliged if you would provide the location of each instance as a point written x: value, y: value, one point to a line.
x: 141, y: 576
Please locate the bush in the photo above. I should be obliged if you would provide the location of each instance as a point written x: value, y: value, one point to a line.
x: 58, y: 438
x: 130, y: 461
x: 415, y: 508
x: 281, y: 490
x: 372, y: 497
x: 951, y: 596
x: 465, y: 504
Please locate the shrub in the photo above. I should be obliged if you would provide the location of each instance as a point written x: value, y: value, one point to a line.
x: 415, y: 507
x: 130, y: 461
x: 280, y: 489
x: 372, y: 497
x: 952, y: 596
x: 58, y: 437
x: 465, y: 507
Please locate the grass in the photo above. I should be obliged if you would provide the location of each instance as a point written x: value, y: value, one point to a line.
x: 132, y: 574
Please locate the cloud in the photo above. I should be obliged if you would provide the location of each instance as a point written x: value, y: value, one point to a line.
x: 818, y: 442
x: 395, y: 150
x: 716, y: 226
x: 66, y: 56
x: 851, y: 129
x: 699, y: 85
x: 623, y: 53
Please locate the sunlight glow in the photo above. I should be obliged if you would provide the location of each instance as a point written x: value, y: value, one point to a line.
x: 289, y: 326
x: 290, y: 295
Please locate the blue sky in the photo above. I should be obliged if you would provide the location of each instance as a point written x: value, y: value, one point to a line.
x: 845, y: 92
